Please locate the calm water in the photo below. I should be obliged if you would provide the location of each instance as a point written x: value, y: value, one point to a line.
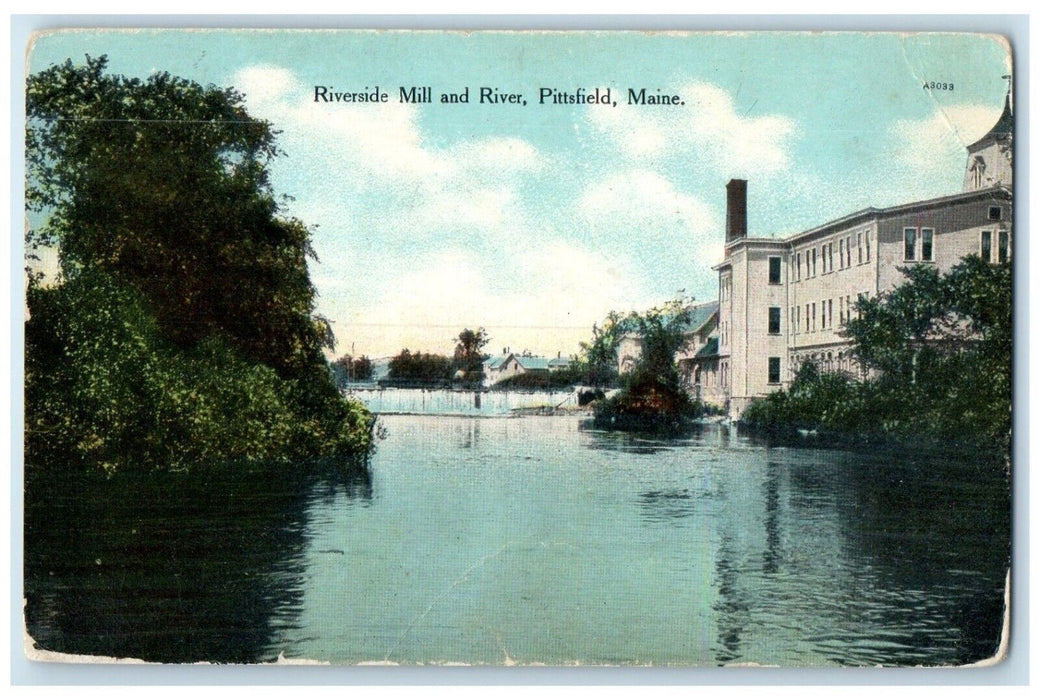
x: 533, y: 540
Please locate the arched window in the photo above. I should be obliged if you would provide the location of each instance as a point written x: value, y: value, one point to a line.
x: 978, y: 168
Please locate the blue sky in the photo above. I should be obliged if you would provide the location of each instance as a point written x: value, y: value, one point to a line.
x: 535, y: 221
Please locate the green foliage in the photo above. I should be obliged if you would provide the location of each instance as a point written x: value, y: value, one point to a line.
x: 184, y: 327
x: 349, y: 369
x: 105, y: 390
x: 163, y: 184
x: 541, y: 381
x: 938, y: 349
x: 420, y: 368
x: 469, y: 354
x: 653, y: 393
x: 815, y: 401
x: 598, y: 359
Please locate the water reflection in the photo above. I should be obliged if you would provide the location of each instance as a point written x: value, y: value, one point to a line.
x: 172, y: 568
x: 647, y: 443
x: 480, y: 540
x: 468, y: 434
x: 771, y: 556
x: 851, y: 559
x: 663, y: 506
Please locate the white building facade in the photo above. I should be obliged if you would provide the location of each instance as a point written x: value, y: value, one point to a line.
x: 782, y: 302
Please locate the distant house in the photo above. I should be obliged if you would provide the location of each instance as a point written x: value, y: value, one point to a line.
x: 500, y: 367
x: 630, y: 349
x: 701, y: 327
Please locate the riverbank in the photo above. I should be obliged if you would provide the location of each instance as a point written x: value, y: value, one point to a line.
x: 794, y: 435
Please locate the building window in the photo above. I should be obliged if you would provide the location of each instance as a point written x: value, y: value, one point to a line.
x: 978, y: 167
x: 986, y: 245
x: 814, y: 316
x: 994, y: 213
x: 813, y: 262
x: 774, y: 370
x: 806, y: 318
x: 830, y: 313
x: 841, y: 309
x: 859, y: 248
x: 841, y: 254
x: 799, y: 266
x: 909, y: 244
x: 927, y: 235
x: 774, y: 270
x: 830, y: 256
x: 867, y: 237
x: 848, y: 251
x: 794, y: 325
x: 774, y: 320
x: 1002, y: 246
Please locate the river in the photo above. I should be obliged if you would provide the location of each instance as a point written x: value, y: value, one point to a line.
x: 535, y: 540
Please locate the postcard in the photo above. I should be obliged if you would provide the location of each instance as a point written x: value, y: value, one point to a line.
x: 525, y: 348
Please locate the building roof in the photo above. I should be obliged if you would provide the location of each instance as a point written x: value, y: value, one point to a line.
x: 858, y: 217
x: 1001, y: 131
x: 560, y: 362
x: 528, y: 362
x: 532, y: 363
x: 710, y: 349
x: 701, y: 314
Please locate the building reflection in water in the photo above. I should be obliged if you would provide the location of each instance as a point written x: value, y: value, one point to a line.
x: 892, y: 551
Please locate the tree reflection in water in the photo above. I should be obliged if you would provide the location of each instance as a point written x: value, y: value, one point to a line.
x: 172, y: 567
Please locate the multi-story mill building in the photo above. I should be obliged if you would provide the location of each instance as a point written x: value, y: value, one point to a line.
x: 782, y: 301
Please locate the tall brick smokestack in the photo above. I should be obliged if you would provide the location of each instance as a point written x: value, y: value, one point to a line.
x: 736, y: 210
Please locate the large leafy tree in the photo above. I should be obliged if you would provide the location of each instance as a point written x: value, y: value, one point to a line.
x: 183, y: 327
x: 940, y: 347
x: 469, y: 352
x: 163, y: 184
x: 939, y: 358
x: 598, y: 358
x: 652, y: 394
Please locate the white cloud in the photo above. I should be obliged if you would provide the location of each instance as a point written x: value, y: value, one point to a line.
x: 566, y: 289
x: 670, y: 237
x: 707, y: 128
x: 932, y: 147
x: 265, y: 84
x: 418, y: 240
x: 640, y: 199
x: 382, y: 140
